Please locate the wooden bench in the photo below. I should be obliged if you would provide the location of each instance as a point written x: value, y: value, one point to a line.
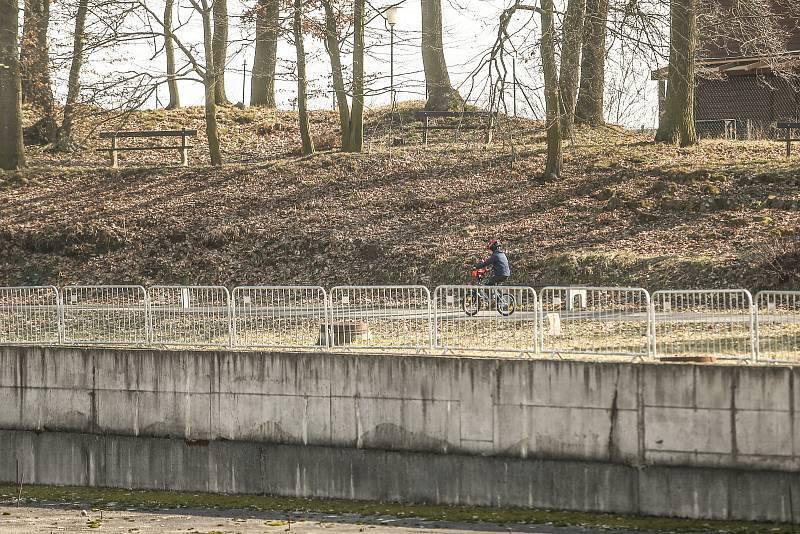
x: 789, y: 126
x: 183, y: 148
x: 467, y: 120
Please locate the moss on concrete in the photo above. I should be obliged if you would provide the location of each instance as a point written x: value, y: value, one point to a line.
x: 112, y: 498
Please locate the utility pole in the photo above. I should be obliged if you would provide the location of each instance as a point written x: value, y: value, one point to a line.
x: 244, y: 81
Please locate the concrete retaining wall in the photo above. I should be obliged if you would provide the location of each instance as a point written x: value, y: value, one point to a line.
x: 694, y: 441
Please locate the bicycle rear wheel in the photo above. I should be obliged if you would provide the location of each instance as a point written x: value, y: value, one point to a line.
x: 506, y: 304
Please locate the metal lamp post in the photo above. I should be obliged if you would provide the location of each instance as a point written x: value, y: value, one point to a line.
x: 391, y: 20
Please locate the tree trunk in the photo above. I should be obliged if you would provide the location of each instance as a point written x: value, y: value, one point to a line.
x: 589, y: 109
x: 356, y: 143
x: 209, y: 83
x: 571, y: 63
x: 677, y: 126
x: 12, y: 151
x: 302, y: 95
x: 169, y: 49
x: 555, y: 156
x: 37, y: 89
x: 332, y: 47
x: 262, y: 84
x: 65, y: 140
x: 441, y: 95
x: 220, y: 49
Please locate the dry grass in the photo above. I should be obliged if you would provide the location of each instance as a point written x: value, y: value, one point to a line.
x: 627, y: 211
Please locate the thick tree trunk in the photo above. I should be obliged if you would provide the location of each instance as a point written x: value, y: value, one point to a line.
x: 555, y: 156
x: 65, y: 134
x: 441, y: 95
x: 571, y: 63
x: 589, y: 109
x: 12, y: 151
x: 677, y: 125
x: 169, y: 49
x: 37, y: 88
x: 332, y: 47
x: 262, y: 84
x: 356, y: 143
x: 302, y: 83
x: 209, y: 83
x: 220, y: 48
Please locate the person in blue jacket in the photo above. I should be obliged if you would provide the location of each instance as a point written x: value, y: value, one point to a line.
x: 498, y: 261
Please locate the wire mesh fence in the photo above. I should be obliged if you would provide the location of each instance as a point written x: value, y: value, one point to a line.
x: 485, y: 319
x: 29, y: 315
x: 595, y: 320
x: 190, y: 315
x: 716, y: 323
x: 778, y: 326
x: 105, y: 315
x: 381, y: 317
x: 280, y: 317
x: 724, y: 324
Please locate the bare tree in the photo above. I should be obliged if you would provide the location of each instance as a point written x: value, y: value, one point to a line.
x: 37, y: 88
x: 441, y: 95
x: 555, y: 156
x: 65, y: 133
x: 220, y: 48
x: 572, y: 43
x: 12, y: 151
x: 356, y: 143
x: 332, y: 47
x: 204, y: 68
x: 677, y: 124
x: 589, y: 108
x: 169, y: 50
x: 262, y: 85
x: 302, y: 89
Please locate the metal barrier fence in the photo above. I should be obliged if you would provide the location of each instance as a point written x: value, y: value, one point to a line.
x: 485, y: 319
x: 105, y: 315
x: 29, y: 315
x: 778, y: 326
x: 381, y: 317
x: 280, y: 317
x: 595, y: 320
x: 718, y: 323
x: 726, y: 324
x: 190, y: 315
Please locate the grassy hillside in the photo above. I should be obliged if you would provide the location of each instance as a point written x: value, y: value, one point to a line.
x: 725, y: 213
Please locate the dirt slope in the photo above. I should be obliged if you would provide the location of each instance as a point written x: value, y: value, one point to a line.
x: 725, y: 213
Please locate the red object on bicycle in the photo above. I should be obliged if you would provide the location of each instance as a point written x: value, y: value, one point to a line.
x: 477, y: 273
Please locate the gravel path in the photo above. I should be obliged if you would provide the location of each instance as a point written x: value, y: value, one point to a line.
x: 60, y: 517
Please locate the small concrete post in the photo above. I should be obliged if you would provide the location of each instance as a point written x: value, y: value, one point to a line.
x: 425, y: 132
x: 114, y: 162
x: 184, y: 149
x: 490, y: 128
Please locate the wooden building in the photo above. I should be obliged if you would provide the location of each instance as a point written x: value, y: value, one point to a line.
x: 737, y: 95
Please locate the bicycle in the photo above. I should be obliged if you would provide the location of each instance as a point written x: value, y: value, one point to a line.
x: 487, y: 297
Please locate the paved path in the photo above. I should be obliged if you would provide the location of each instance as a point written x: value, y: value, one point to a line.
x: 61, y: 517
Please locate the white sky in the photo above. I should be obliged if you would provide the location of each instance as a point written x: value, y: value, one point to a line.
x: 470, y: 30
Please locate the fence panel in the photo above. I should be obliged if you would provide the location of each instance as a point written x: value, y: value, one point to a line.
x: 115, y: 315
x: 778, y: 326
x: 704, y: 322
x: 280, y: 317
x: 29, y: 315
x: 498, y: 319
x: 381, y: 317
x: 612, y: 321
x: 193, y: 316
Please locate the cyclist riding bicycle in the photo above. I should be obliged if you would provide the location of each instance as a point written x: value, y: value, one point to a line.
x: 498, y: 261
